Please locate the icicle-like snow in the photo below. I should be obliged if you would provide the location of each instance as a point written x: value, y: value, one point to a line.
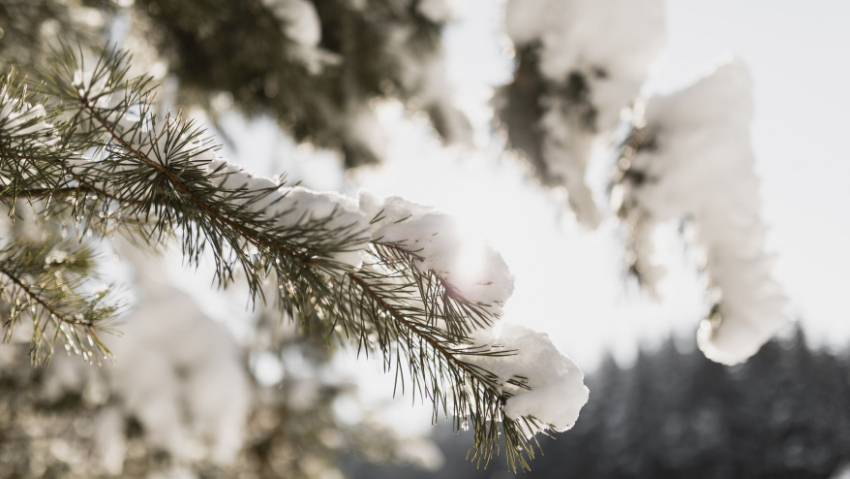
x: 697, y: 163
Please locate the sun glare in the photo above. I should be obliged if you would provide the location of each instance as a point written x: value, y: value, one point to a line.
x: 470, y: 260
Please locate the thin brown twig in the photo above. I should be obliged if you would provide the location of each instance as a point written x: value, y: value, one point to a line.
x: 44, y: 304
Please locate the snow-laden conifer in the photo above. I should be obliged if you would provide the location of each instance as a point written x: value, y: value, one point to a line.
x: 383, y: 274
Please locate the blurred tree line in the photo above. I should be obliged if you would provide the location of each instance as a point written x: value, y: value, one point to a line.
x: 675, y: 414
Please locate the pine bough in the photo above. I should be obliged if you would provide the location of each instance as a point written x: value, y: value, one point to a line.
x: 85, y: 148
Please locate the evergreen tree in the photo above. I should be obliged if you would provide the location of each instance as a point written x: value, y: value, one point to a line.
x: 675, y: 414
x: 685, y: 157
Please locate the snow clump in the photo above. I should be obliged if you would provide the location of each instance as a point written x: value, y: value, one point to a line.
x: 696, y: 162
x: 434, y: 238
x: 294, y: 207
x: 181, y: 376
x: 302, y: 28
x: 176, y: 371
x: 300, y: 20
x: 437, y: 11
x: 557, y: 391
x: 20, y: 119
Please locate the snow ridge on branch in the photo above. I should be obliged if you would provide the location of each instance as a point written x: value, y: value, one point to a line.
x: 385, y: 274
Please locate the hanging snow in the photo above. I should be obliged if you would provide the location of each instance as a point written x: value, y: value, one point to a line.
x: 557, y: 391
x: 581, y: 62
x: 692, y: 159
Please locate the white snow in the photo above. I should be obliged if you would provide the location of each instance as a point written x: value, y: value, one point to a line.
x: 425, y: 74
x: 176, y: 371
x: 841, y: 472
x: 420, y: 452
x: 610, y: 45
x: 23, y: 119
x: 180, y: 374
x: 481, y: 275
x: 290, y: 207
x: 621, y: 38
x: 363, y: 132
x: 303, y: 28
x: 438, y: 11
x: 109, y: 439
x: 702, y: 169
x: 557, y: 391
x: 434, y: 237
x: 300, y: 20
x: 83, y: 82
x: 294, y: 207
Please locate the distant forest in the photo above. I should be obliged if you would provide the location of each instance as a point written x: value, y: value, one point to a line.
x: 784, y: 414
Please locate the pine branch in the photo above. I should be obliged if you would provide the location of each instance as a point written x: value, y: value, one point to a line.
x: 43, y: 193
x: 47, y: 282
x: 464, y: 389
x: 162, y: 174
x: 211, y: 210
x: 34, y: 296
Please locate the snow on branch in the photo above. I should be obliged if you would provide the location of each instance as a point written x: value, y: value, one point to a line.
x: 552, y: 391
x: 390, y: 276
x: 581, y: 62
x: 691, y: 158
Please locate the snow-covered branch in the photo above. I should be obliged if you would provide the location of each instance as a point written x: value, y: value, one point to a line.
x: 387, y: 274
